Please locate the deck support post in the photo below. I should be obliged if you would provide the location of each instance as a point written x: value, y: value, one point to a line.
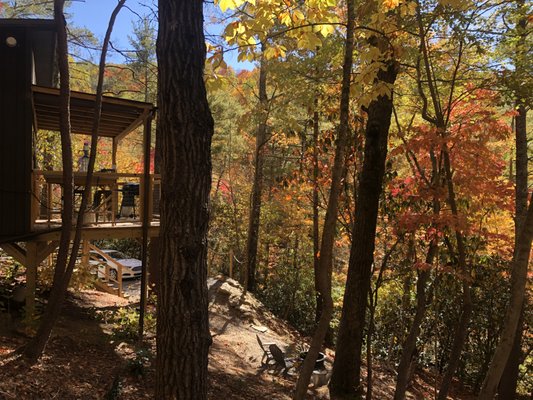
x: 85, y: 254
x: 114, y: 153
x: 31, y: 280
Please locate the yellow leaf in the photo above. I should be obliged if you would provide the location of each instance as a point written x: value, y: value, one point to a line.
x: 270, y: 53
x: 285, y: 18
x: 251, y: 40
x: 309, y: 40
x: 226, y: 4
x: 298, y: 15
x: 326, y: 30
x: 231, y: 4
x: 390, y: 4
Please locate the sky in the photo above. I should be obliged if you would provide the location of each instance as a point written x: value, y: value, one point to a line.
x: 94, y: 15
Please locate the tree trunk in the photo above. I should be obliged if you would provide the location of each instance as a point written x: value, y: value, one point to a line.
x: 36, y: 346
x: 186, y: 128
x: 509, y: 380
x: 330, y: 220
x: 63, y: 272
x: 346, y: 378
x: 316, y: 228
x: 440, y: 120
x: 461, y: 331
x: 373, y: 302
x: 295, y: 281
x: 509, y: 377
x: 409, y: 345
x: 257, y: 187
x: 512, y: 316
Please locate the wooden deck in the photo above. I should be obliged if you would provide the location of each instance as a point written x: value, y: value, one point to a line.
x: 47, y: 231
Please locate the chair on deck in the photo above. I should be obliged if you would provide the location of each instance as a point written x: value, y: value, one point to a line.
x: 127, y: 207
x: 285, y: 364
x: 267, y: 355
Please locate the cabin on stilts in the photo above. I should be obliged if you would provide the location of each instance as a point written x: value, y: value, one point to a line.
x: 121, y: 204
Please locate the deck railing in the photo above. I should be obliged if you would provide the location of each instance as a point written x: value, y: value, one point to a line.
x: 115, y: 197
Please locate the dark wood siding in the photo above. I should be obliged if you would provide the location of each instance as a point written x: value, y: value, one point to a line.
x: 15, y: 133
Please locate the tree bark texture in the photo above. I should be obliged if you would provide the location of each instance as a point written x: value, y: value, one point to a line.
x: 62, y: 274
x: 346, y: 378
x: 330, y: 220
x: 36, y: 346
x: 509, y: 379
x: 186, y: 129
x: 461, y: 331
x: 316, y: 222
x: 512, y: 316
x: 409, y: 346
x: 373, y: 297
x: 257, y: 187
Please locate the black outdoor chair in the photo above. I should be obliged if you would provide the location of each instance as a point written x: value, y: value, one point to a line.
x: 129, y: 191
x: 285, y: 364
x: 267, y: 355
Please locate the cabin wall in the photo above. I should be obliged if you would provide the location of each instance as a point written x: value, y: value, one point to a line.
x: 15, y: 133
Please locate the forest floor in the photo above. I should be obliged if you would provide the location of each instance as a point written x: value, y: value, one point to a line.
x: 88, y: 358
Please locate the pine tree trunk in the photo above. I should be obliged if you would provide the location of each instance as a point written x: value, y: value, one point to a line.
x: 257, y: 187
x: 186, y: 128
x: 346, y: 377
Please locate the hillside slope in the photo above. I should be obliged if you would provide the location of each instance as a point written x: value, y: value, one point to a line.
x: 85, y: 359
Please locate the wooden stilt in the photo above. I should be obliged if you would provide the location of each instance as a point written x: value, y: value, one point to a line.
x: 31, y: 279
x: 85, y: 254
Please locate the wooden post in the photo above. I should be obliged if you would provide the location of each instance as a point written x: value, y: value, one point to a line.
x: 150, y: 204
x: 114, y: 188
x: 114, y: 202
x: 114, y: 154
x: 142, y: 184
x: 49, y: 201
x: 153, y: 265
x: 36, y: 195
x: 145, y: 197
x: 31, y: 280
x: 119, y: 279
x: 85, y: 254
